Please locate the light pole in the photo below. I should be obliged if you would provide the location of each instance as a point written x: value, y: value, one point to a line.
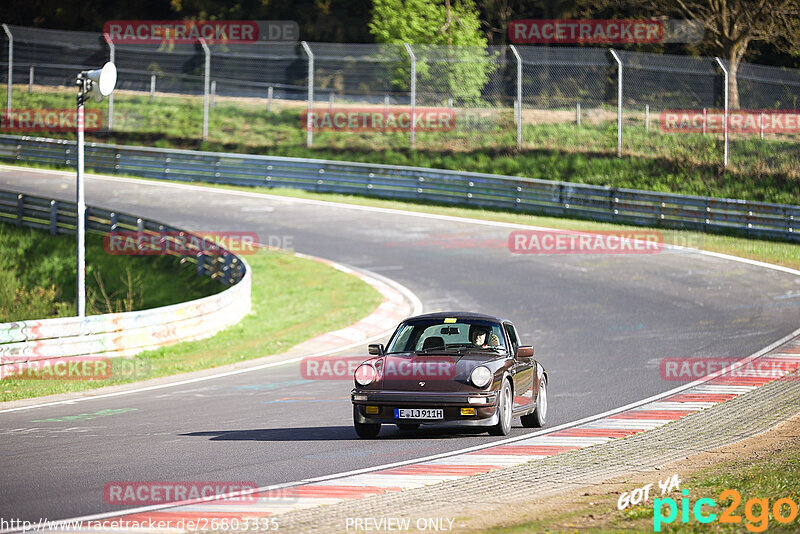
x: 98, y: 83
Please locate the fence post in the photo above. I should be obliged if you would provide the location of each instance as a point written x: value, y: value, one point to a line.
x: 330, y: 102
x: 206, y: 88
x: 413, y: 91
x: 761, y: 124
x: 386, y: 103
x: 619, y: 101
x: 269, y: 99
x: 53, y: 217
x: 310, y: 54
x: 519, y: 96
x: 111, y: 57
x: 647, y: 117
x: 30, y: 80
x: 705, y: 119
x: 725, y: 127
x: 152, y: 87
x: 578, y: 114
x: 10, y: 65
x: 213, y: 92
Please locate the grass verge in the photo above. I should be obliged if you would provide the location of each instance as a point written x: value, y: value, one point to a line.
x: 293, y: 299
x: 553, y: 148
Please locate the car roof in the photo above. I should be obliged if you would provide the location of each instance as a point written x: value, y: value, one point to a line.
x: 458, y: 315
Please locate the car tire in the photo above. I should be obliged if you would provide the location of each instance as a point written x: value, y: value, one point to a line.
x: 504, y: 407
x: 538, y: 417
x: 408, y: 427
x: 365, y: 430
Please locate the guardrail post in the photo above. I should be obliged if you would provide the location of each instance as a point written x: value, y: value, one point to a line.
x: 30, y: 80
x: 725, y: 127
x: 206, y: 88
x: 619, y: 101
x: 386, y: 103
x: 330, y: 102
x: 413, y: 90
x: 226, y: 270
x: 201, y: 260
x: 53, y: 217
x: 152, y: 87
x: 111, y: 56
x: 10, y: 65
x: 20, y: 209
x: 518, y: 103
x: 310, y: 97
x: 114, y: 222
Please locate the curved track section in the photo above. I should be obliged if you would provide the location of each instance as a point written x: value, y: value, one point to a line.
x: 600, y: 325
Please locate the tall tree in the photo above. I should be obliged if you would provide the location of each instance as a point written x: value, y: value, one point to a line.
x: 732, y: 25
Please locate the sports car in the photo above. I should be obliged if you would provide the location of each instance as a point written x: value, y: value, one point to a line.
x: 457, y: 368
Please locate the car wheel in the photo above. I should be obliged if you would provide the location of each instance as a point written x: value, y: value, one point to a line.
x: 503, y: 426
x: 539, y: 415
x: 408, y: 427
x: 365, y: 430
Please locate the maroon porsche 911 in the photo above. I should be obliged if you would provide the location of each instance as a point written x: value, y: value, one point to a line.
x: 465, y: 369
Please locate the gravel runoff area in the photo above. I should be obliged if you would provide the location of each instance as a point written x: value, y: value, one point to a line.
x: 483, y: 496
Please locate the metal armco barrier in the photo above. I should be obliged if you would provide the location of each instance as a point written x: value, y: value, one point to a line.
x: 119, y: 334
x: 628, y: 206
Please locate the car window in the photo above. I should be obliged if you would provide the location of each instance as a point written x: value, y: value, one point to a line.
x: 512, y: 336
x: 453, y: 334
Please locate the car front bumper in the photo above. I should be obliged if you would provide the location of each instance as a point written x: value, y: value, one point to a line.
x: 385, y: 403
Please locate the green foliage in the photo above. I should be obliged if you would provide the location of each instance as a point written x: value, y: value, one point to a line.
x: 37, y: 278
x: 447, y: 39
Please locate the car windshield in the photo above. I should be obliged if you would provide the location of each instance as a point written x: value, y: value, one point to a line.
x: 448, y: 334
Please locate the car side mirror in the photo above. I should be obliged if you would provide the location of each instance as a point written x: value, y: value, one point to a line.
x: 376, y: 350
x: 525, y: 351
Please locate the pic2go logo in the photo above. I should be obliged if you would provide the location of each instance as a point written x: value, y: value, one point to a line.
x: 756, y: 511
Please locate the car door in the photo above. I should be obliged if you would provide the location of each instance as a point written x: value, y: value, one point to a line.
x: 523, y: 372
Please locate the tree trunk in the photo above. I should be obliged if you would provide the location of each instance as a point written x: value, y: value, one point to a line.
x: 734, y: 55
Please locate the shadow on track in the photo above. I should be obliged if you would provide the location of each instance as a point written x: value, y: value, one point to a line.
x: 330, y: 433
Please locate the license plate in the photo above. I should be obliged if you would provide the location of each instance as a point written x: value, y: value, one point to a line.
x: 418, y: 413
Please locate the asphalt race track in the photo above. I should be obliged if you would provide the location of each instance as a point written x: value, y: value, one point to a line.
x: 600, y: 325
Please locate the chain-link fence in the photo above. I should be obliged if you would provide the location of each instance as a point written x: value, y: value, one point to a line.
x: 532, y: 98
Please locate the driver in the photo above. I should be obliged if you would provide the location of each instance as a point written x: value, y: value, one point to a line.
x: 478, y: 335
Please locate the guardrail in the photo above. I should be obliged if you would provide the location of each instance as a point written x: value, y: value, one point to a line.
x: 127, y: 333
x: 629, y: 206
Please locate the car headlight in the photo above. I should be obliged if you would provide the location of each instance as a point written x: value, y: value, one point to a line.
x: 365, y: 374
x: 480, y: 376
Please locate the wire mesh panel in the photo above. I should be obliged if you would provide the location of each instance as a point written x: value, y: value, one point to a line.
x: 568, y: 97
x: 361, y: 73
x: 476, y: 84
x: 567, y: 92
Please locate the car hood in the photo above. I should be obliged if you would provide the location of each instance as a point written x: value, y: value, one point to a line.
x: 445, y: 371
